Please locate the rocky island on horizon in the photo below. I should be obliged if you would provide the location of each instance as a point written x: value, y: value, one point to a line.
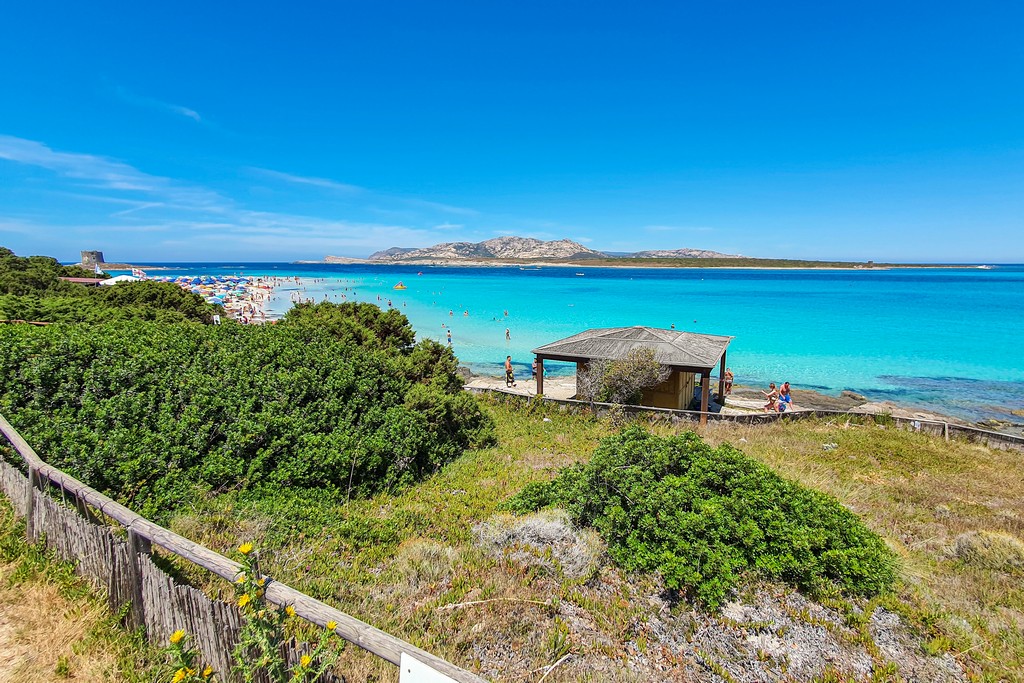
x: 515, y: 248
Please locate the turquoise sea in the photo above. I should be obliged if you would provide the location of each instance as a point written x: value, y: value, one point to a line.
x: 949, y: 340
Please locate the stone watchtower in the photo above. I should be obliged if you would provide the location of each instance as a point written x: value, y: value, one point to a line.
x: 92, y: 258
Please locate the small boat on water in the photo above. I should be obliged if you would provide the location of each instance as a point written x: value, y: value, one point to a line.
x: 399, y: 286
x: 581, y: 274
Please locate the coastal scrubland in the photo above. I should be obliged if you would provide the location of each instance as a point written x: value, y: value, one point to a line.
x: 440, y: 563
x: 509, y: 536
x: 31, y: 289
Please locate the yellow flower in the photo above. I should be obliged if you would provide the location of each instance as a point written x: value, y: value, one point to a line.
x: 244, y: 600
x: 241, y: 578
x: 177, y: 636
x: 260, y: 582
x: 331, y: 625
x: 207, y: 672
x: 245, y: 548
x: 289, y: 610
x: 179, y: 675
x: 304, y: 660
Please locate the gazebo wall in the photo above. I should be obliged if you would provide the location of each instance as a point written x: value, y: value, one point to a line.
x: 675, y: 392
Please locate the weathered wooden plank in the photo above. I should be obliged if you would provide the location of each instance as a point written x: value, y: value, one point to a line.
x: 30, y: 502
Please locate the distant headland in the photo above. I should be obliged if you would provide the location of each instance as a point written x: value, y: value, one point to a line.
x: 521, y: 250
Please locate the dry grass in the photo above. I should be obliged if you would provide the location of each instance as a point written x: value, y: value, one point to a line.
x: 52, y: 628
x: 954, y: 512
x: 41, y: 634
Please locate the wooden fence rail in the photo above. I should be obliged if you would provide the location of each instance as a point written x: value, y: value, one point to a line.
x: 155, y: 601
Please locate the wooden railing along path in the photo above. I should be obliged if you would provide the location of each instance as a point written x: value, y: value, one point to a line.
x: 154, y: 600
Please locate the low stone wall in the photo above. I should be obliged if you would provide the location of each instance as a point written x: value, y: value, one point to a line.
x: 943, y: 429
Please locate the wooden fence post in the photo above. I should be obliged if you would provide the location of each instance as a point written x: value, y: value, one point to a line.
x: 30, y: 503
x: 137, y: 547
x: 85, y: 511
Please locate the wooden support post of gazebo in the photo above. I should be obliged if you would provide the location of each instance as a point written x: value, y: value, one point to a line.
x: 540, y: 375
x: 721, y: 381
x: 705, y: 389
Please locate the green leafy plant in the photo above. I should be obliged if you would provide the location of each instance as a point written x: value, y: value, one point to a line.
x: 153, y: 413
x: 185, y: 661
x: 701, y: 516
x: 259, y: 650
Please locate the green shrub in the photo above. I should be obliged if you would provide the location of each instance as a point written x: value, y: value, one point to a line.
x: 146, y: 412
x: 701, y: 516
x: 31, y: 289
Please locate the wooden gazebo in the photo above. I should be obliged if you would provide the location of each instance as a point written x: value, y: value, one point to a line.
x: 687, y: 354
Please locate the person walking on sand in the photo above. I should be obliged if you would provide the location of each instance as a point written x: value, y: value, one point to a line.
x: 772, y: 395
x: 510, y: 378
x: 728, y: 381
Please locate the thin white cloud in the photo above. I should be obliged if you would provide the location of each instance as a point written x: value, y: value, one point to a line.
x: 140, y: 206
x: 309, y: 180
x: 141, y: 101
x: 109, y: 174
x: 446, y: 208
x: 16, y: 226
x: 677, y: 228
x: 142, y: 203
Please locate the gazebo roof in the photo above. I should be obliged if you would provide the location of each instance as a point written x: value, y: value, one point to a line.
x: 671, y: 347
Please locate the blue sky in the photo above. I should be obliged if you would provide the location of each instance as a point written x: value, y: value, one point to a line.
x: 273, y: 131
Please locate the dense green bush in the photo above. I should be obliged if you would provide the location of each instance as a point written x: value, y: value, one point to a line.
x: 700, y: 516
x: 36, y: 274
x: 31, y: 289
x: 146, y: 411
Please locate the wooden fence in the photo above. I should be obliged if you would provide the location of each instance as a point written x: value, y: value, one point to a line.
x: 120, y: 564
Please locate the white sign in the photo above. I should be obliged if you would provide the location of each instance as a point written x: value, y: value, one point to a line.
x: 413, y: 670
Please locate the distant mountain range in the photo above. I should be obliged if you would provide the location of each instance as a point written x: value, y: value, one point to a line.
x: 523, y: 248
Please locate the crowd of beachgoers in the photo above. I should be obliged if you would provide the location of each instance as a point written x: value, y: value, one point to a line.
x: 243, y: 298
